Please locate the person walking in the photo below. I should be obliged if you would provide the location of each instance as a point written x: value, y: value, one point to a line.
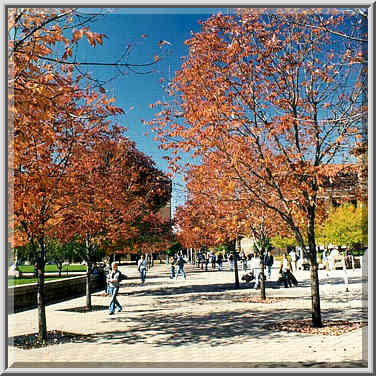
x: 206, y: 261
x: 285, y: 270
x: 198, y: 258
x: 293, y: 258
x: 113, y: 289
x: 180, y: 264
x: 213, y: 260
x: 325, y: 262
x: 243, y: 260
x: 141, y: 267
x: 268, y: 262
x: 349, y: 259
x: 255, y: 268
x: 219, y: 261
x: 200, y: 261
x: 344, y: 269
x: 172, y: 267
x: 107, y: 271
x: 231, y: 261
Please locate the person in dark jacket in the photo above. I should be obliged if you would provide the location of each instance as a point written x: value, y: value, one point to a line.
x: 180, y: 264
x: 219, y: 261
x: 268, y: 262
x: 213, y: 259
x: 172, y: 267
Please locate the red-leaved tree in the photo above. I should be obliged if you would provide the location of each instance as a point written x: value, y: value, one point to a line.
x: 276, y: 100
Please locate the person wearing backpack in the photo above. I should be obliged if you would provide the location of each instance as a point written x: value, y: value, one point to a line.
x: 113, y: 289
x: 142, y: 265
x: 180, y: 264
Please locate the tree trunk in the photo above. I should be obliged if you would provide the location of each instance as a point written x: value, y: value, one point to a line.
x: 41, y: 302
x: 237, y: 285
x: 262, y: 276
x: 88, y: 274
x: 315, y: 291
x: 88, y: 292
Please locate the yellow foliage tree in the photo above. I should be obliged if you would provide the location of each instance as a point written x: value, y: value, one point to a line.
x: 346, y: 225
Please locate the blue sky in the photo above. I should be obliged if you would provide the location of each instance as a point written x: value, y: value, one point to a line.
x: 126, y: 26
x: 135, y: 93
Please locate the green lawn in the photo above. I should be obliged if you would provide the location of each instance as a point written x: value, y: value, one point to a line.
x: 53, y: 268
x: 22, y: 281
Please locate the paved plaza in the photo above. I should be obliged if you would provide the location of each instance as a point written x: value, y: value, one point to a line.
x: 200, y: 323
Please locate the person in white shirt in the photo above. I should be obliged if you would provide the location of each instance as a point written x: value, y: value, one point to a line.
x: 255, y: 268
x: 113, y: 289
x: 284, y: 270
x: 141, y: 267
x: 293, y: 260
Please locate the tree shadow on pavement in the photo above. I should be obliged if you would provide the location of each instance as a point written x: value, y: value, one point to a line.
x: 213, y: 328
x: 189, y: 288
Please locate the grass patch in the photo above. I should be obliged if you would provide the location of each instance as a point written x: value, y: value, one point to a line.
x: 53, y: 268
x: 23, y: 281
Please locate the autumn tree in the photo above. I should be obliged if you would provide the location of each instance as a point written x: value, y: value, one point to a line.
x: 221, y: 212
x: 54, y: 107
x: 275, y: 101
x: 114, y: 201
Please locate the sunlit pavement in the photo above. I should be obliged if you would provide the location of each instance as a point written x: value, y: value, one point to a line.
x: 178, y: 324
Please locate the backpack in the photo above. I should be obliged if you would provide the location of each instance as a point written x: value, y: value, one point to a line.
x: 122, y: 277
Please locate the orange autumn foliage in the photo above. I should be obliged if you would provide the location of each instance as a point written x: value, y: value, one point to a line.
x: 269, y: 99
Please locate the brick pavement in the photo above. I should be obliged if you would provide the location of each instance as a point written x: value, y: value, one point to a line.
x: 196, y: 323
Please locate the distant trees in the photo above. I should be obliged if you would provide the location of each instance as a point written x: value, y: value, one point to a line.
x: 283, y: 242
x: 346, y: 225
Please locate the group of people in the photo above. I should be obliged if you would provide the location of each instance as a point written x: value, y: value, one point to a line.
x: 255, y: 268
x: 113, y: 281
x: 177, y: 268
x: 202, y: 259
x: 177, y: 263
x: 285, y: 269
x: 287, y: 266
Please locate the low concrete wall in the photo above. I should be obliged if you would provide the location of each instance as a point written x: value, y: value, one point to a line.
x: 24, y: 297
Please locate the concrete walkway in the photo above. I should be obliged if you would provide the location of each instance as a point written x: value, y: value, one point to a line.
x: 198, y: 323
